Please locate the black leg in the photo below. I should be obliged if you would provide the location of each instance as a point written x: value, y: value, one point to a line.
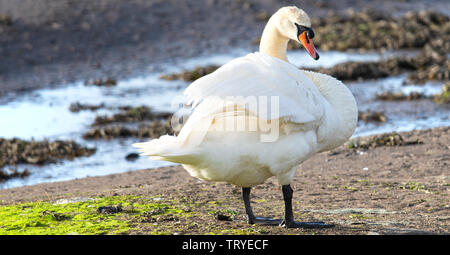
x: 252, y: 219
x: 288, y: 221
x: 248, y: 207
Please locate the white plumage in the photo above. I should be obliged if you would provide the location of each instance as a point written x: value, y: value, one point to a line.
x: 308, y: 122
x: 259, y: 116
x: 260, y: 75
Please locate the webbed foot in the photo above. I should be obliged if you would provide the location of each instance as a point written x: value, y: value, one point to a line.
x: 297, y: 224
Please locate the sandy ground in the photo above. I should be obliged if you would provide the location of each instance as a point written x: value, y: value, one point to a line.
x: 384, y: 190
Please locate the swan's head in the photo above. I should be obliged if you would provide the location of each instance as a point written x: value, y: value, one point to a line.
x: 295, y: 24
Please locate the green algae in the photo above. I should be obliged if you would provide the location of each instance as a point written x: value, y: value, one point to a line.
x: 46, y: 218
x: 415, y: 186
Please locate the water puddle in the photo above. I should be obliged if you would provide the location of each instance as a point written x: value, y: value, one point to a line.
x: 44, y: 114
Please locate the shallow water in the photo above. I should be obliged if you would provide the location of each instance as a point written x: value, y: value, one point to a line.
x: 401, y: 115
x: 44, y: 114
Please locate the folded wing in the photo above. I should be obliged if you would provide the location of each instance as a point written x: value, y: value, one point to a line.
x: 264, y: 79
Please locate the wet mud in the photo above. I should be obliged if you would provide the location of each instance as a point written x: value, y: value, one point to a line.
x: 150, y: 124
x: 389, y: 139
x: 372, y: 116
x: 153, y: 130
x: 400, y: 96
x: 428, y: 32
x: 132, y: 114
x: 16, y: 151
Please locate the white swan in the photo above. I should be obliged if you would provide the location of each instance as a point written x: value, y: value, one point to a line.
x: 308, y: 113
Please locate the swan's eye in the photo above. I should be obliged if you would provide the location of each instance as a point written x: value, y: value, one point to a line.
x: 301, y: 29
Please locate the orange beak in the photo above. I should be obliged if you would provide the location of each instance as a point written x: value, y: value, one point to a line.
x: 309, y: 46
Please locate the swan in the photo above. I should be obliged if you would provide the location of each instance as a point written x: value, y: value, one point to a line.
x: 259, y: 116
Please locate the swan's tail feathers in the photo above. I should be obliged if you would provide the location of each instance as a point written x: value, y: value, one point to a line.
x: 168, y: 148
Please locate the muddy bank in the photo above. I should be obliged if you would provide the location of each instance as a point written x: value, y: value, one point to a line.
x: 399, y: 96
x: 383, y: 140
x: 350, y: 71
x: 132, y: 114
x: 427, y: 32
x: 153, y: 130
x: 150, y: 124
x: 379, y: 190
x: 431, y: 63
x: 16, y: 151
x: 370, y: 116
x: 191, y: 75
x: 421, y: 68
x: 77, y: 107
x: 102, y: 82
x: 6, y: 174
x: 373, y: 29
x: 441, y: 98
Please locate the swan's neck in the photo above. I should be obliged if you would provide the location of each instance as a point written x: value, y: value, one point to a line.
x: 273, y: 43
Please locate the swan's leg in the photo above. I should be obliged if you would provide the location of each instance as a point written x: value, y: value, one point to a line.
x: 252, y: 219
x: 288, y: 221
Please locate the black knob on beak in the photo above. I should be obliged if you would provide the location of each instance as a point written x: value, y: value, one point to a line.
x: 301, y: 29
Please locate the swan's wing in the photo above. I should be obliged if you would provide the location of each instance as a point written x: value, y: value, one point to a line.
x: 261, y: 78
x: 345, y: 119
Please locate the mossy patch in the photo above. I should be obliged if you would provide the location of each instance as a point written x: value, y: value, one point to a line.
x: 350, y: 188
x: 415, y: 186
x: 82, y: 217
x: 224, y: 214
